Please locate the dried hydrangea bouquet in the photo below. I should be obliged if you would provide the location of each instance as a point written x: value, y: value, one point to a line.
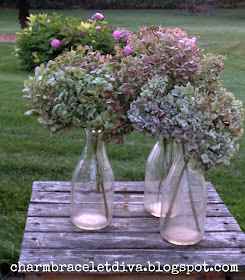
x: 169, y: 53
x: 181, y: 100
x: 81, y: 89
x: 164, y: 85
x: 78, y: 90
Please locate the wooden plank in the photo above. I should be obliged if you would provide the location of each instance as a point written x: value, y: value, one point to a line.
x: 119, y: 209
x: 63, y: 210
x: 65, y: 186
x: 150, y: 224
x: 64, y: 197
x: 133, y: 186
x: 177, y: 255
x: 141, y: 276
x: 132, y: 240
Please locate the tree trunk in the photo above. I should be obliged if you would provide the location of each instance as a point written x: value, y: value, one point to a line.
x: 23, y: 7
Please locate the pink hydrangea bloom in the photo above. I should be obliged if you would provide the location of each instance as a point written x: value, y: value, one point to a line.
x: 37, y: 68
x: 55, y: 43
x: 122, y: 35
x: 97, y: 16
x: 98, y: 27
x: 125, y: 34
x: 117, y: 35
x: 128, y: 50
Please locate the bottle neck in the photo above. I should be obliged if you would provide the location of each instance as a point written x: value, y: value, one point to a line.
x: 168, y: 147
x: 180, y: 153
x: 94, y: 143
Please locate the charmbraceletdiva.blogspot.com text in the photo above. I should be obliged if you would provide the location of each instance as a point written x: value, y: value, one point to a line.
x: 122, y: 267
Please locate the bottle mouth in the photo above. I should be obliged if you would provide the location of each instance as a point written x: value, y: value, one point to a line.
x: 93, y: 131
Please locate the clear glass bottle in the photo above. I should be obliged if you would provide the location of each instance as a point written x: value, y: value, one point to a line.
x: 185, y: 195
x: 92, y: 189
x: 157, y: 168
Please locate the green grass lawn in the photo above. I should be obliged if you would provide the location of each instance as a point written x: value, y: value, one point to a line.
x: 29, y: 153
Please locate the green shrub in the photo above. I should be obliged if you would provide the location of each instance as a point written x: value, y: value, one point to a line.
x: 33, y: 44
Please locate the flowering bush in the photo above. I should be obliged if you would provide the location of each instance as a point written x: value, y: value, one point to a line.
x: 33, y: 44
x: 208, y: 122
x: 77, y: 90
x: 48, y: 36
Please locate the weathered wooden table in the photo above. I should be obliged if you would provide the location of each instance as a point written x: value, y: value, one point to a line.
x: 132, y: 238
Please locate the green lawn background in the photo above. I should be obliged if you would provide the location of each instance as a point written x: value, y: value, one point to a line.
x: 28, y: 153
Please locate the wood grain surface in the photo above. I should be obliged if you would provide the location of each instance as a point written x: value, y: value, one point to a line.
x: 132, y: 238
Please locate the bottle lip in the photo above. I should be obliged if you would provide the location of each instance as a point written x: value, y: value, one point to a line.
x: 94, y: 134
x: 93, y: 131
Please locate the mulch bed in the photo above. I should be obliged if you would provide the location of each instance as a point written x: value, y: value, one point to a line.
x: 7, y: 37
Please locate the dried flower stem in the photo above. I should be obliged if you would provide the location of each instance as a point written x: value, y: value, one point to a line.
x: 191, y: 200
x: 176, y: 187
x: 99, y: 178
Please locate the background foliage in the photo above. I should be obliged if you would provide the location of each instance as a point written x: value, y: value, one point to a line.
x: 126, y: 4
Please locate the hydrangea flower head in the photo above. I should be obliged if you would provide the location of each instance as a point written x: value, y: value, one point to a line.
x: 37, y: 68
x: 55, y: 43
x: 116, y: 34
x: 122, y: 35
x: 99, y: 104
x: 209, y: 123
x: 97, y: 16
x: 128, y: 50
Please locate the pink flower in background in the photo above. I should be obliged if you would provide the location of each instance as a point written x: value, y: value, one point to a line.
x: 122, y: 35
x: 37, y: 68
x: 97, y: 16
x: 125, y: 34
x: 117, y: 35
x: 128, y: 50
x: 55, y: 43
x: 98, y: 27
